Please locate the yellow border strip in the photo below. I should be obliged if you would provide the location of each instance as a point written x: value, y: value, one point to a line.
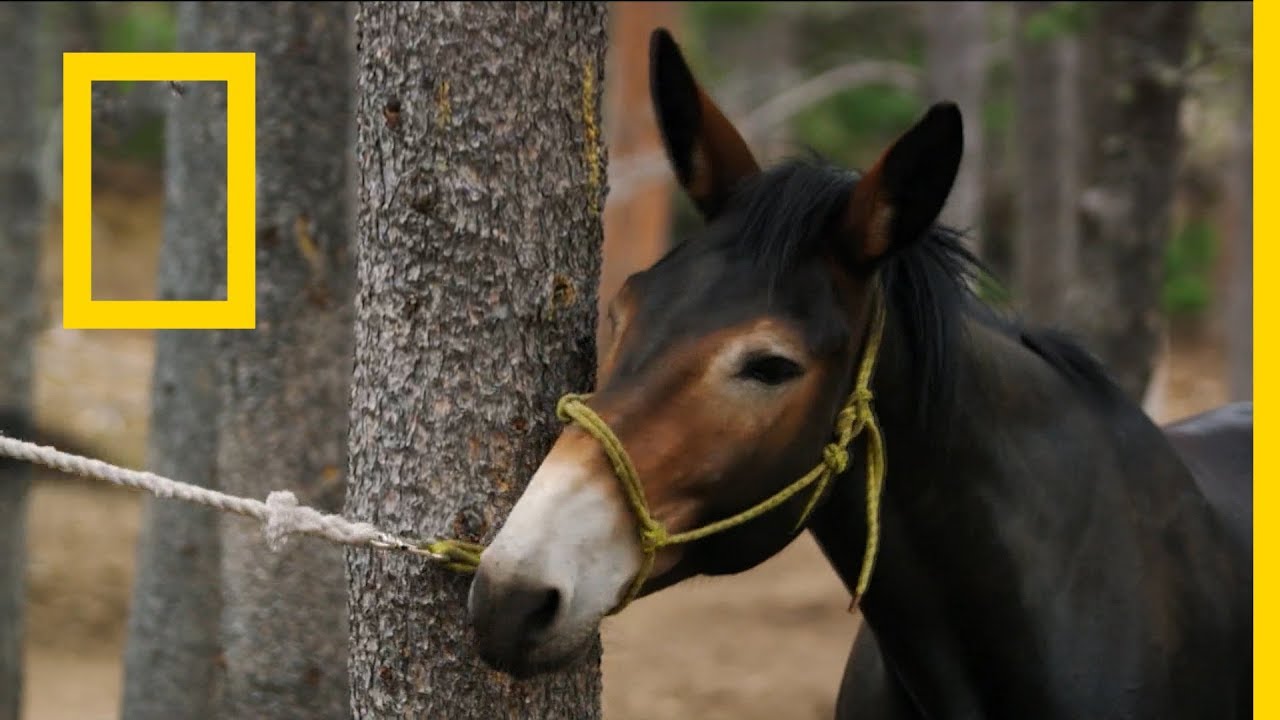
x: 1265, y: 225
x: 79, y: 309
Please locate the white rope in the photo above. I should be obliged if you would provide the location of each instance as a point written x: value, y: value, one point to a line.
x: 281, y: 514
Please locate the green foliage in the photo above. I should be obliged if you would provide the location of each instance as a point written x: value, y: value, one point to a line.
x: 1189, y: 261
x: 727, y: 15
x: 997, y: 108
x: 1061, y: 18
x: 706, y: 22
x: 852, y: 126
x: 138, y: 27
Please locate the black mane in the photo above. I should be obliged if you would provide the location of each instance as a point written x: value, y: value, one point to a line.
x: 786, y: 215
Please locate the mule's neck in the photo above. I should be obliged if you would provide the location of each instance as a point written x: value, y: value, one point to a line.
x: 1021, y: 540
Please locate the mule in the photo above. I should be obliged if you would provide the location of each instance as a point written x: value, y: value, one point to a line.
x: 1044, y: 549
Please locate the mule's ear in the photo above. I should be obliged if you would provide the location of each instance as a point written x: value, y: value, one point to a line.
x: 707, y: 153
x: 899, y: 198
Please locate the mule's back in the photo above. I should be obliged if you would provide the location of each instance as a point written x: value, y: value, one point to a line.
x: 1217, y: 445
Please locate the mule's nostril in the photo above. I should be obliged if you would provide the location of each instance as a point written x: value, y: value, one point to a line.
x: 545, y: 611
x: 512, y: 617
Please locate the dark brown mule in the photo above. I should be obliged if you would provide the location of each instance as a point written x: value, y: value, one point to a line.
x: 1045, y: 550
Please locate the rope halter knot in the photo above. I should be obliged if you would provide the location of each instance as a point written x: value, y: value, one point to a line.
x: 653, y: 538
x: 854, y: 417
x: 567, y: 401
x: 836, y: 458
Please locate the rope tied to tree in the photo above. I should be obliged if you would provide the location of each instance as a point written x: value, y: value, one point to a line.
x: 281, y: 514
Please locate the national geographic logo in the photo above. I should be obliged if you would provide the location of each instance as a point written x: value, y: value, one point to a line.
x: 80, y: 310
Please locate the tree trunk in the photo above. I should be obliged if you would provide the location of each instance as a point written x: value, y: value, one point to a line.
x: 172, y: 654
x: 1046, y: 158
x: 636, y: 230
x: 285, y: 386
x: 1239, y: 319
x: 482, y: 172
x: 1132, y: 70
x: 20, y: 213
x: 955, y: 61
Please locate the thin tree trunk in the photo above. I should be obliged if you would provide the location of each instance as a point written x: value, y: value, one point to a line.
x: 172, y: 654
x: 1240, y: 294
x: 1132, y: 70
x: 956, y: 69
x: 1046, y: 158
x: 20, y: 213
x: 482, y: 172
x: 636, y: 230
x: 286, y: 384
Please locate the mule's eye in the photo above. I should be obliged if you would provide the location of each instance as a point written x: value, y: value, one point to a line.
x: 770, y: 369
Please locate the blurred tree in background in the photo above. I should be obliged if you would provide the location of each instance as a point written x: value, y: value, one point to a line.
x: 956, y: 67
x: 1045, y: 142
x: 1239, y: 183
x: 285, y: 385
x: 173, y: 647
x: 1134, y: 63
x: 19, y: 232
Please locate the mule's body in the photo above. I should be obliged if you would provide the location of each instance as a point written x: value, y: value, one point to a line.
x: 1217, y: 446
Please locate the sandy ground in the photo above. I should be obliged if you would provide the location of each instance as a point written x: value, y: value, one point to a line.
x: 767, y: 644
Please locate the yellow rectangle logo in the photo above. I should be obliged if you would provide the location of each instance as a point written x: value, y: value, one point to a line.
x: 79, y: 309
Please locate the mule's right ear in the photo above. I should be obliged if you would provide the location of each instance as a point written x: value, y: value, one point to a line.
x: 707, y: 153
x: 899, y: 198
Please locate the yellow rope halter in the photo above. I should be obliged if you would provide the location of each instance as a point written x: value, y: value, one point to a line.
x: 856, y: 415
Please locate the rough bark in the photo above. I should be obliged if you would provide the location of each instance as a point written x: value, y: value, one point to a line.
x: 1239, y: 320
x: 286, y: 384
x: 172, y: 654
x: 955, y: 58
x: 19, y: 241
x: 636, y: 230
x: 1132, y: 68
x: 481, y: 179
x: 1046, y: 158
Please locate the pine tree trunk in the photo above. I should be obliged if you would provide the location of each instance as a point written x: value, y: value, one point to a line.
x: 20, y: 212
x: 172, y: 654
x: 482, y: 172
x: 1047, y: 147
x: 1132, y: 63
x: 956, y: 69
x: 285, y: 385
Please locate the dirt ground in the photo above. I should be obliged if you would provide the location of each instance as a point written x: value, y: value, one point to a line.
x: 770, y: 643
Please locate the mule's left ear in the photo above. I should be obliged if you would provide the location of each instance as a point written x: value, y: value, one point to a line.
x: 900, y: 197
x: 706, y: 151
